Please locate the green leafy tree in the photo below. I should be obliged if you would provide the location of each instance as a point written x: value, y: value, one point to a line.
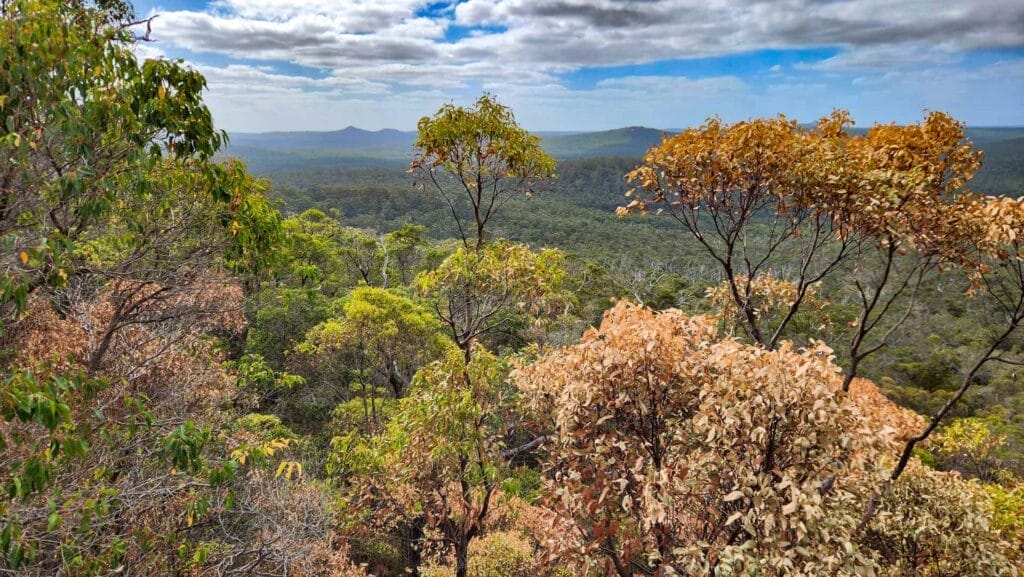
x: 84, y: 123
x: 311, y: 258
x: 403, y: 250
x: 385, y: 335
x: 110, y: 199
x: 478, y: 155
x: 442, y: 456
x: 488, y: 292
x: 281, y: 319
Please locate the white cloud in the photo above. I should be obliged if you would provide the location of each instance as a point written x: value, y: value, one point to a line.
x: 394, y: 52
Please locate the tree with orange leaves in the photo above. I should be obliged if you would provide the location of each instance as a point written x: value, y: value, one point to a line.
x: 884, y: 206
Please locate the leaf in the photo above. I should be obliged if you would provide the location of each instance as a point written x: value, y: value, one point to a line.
x: 733, y: 496
x: 790, y: 508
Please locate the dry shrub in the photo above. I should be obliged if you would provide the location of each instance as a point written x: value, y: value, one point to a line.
x: 882, y: 413
x: 935, y: 524
x: 677, y: 452
x: 500, y: 554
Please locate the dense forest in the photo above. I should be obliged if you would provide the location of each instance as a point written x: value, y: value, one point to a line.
x: 762, y: 348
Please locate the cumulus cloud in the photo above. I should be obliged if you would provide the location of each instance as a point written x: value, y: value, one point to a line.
x: 402, y: 47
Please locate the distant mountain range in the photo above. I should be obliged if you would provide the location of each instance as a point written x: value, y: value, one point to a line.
x: 354, y: 147
x: 350, y: 138
x: 273, y: 152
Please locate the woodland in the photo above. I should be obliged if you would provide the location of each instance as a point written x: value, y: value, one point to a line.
x: 762, y: 349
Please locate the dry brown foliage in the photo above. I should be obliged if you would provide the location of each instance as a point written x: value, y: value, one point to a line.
x: 677, y: 453
x: 882, y: 413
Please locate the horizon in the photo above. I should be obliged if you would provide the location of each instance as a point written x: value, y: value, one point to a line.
x: 570, y: 65
x: 566, y: 132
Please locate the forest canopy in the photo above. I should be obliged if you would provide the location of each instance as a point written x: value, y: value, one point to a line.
x: 795, y: 350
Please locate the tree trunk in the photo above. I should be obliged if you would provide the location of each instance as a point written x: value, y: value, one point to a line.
x: 461, y: 557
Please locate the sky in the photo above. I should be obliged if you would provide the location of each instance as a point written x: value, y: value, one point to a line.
x: 596, y: 64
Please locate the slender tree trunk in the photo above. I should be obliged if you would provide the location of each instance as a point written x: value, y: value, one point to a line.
x: 96, y: 358
x: 851, y: 372
x: 461, y: 557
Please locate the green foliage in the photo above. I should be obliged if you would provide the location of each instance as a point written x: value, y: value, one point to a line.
x: 312, y: 255
x: 483, y: 293
x: 979, y: 447
x: 73, y: 92
x: 452, y: 415
x: 253, y: 222
x: 404, y: 250
x: 46, y: 403
x: 266, y: 427
x: 353, y: 415
x: 454, y: 135
x: 183, y: 448
x: 281, y: 320
x: 258, y: 382
x: 479, y: 155
x: 384, y: 334
x: 524, y: 483
x: 1007, y: 510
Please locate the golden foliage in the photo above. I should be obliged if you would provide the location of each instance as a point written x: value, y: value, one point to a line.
x: 898, y: 185
x: 765, y: 295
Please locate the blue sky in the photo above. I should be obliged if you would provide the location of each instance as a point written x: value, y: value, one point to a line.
x: 596, y: 64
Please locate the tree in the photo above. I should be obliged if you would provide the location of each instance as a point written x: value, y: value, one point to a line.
x: 441, y: 455
x: 120, y: 236
x: 403, y: 250
x: 167, y: 248
x: 883, y: 206
x: 85, y: 128
x: 329, y: 257
x: 769, y: 299
x: 994, y: 227
x: 975, y: 445
x: 677, y: 453
x: 936, y: 524
x: 388, y: 336
x: 85, y: 125
x: 480, y: 293
x: 479, y: 155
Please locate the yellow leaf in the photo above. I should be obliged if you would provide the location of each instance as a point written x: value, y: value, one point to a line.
x: 289, y: 469
x: 161, y: 93
x: 24, y: 257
